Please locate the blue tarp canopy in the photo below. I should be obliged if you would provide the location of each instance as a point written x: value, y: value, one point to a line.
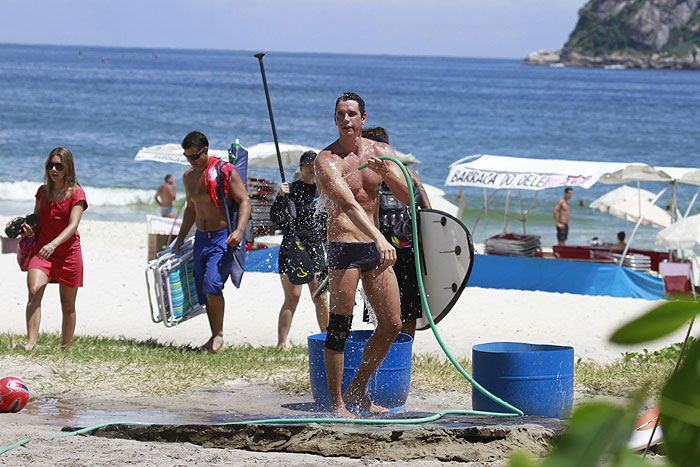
x: 548, y: 275
x: 556, y: 275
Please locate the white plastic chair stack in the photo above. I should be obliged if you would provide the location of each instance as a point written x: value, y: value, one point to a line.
x: 170, y: 284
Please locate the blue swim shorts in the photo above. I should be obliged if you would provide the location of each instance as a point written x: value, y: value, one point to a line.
x: 212, y: 263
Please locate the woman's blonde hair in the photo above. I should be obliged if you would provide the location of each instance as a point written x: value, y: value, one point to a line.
x: 71, y: 179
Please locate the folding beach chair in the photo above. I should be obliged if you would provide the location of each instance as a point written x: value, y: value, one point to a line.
x: 170, y: 284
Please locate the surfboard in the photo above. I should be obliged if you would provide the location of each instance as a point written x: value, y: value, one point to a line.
x: 447, y: 257
x: 642, y: 431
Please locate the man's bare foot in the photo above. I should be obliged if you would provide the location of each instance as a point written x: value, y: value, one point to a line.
x: 342, y: 412
x: 214, y: 344
x: 282, y: 346
x: 364, y: 403
x: 29, y: 347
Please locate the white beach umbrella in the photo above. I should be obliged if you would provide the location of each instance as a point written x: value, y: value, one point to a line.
x: 632, y: 210
x: 172, y: 153
x: 263, y: 154
x: 681, y: 235
x: 620, y: 195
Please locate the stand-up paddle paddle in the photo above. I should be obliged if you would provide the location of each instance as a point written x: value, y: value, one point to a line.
x: 300, y: 268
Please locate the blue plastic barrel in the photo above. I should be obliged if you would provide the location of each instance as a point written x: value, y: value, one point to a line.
x: 388, y: 386
x: 537, y: 379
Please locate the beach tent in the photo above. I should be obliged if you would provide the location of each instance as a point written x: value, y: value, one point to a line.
x: 522, y: 173
x: 482, y: 170
x: 534, y: 174
x: 263, y: 154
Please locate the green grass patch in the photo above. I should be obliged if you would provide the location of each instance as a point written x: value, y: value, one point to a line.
x: 634, y: 370
x: 99, y: 363
x: 128, y: 366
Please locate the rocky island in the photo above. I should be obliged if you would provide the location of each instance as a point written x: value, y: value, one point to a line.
x: 656, y: 34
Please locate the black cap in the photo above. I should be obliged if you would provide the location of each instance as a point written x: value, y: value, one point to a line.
x: 307, y: 158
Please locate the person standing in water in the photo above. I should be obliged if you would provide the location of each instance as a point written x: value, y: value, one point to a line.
x: 212, y: 256
x: 357, y: 250
x: 165, y: 196
x: 395, y: 224
x: 561, y: 215
x: 309, y: 228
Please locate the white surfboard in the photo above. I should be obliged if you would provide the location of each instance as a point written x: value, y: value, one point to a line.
x: 446, y: 254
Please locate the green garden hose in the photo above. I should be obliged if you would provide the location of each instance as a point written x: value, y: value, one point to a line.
x: 354, y: 421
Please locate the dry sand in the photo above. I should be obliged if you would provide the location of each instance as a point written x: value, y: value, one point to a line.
x: 114, y: 303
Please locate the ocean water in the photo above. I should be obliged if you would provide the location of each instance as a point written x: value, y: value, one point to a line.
x: 106, y: 103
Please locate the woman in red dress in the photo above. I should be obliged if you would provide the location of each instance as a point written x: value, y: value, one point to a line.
x: 57, y: 256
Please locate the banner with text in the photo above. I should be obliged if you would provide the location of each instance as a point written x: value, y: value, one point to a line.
x: 467, y: 176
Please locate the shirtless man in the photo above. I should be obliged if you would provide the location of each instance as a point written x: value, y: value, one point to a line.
x: 357, y: 249
x: 561, y: 215
x: 212, y: 257
x: 166, y: 195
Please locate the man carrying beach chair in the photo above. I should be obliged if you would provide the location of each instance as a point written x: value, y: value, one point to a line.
x: 212, y: 259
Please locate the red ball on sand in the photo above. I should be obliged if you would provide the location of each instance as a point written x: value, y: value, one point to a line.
x: 14, y: 394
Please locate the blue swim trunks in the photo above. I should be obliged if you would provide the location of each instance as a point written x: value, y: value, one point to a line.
x: 212, y: 260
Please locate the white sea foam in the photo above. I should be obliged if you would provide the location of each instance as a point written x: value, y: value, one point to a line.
x: 25, y: 191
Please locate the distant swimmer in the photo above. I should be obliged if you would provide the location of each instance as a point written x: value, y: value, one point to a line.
x: 165, y: 196
x: 212, y: 257
x: 561, y: 215
x: 357, y: 250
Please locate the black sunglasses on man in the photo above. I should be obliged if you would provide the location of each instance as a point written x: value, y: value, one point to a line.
x: 195, y: 156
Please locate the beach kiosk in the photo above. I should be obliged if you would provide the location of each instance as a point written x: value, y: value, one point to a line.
x: 596, y: 273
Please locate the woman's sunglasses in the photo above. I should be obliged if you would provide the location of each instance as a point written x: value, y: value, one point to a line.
x: 57, y: 165
x: 195, y: 156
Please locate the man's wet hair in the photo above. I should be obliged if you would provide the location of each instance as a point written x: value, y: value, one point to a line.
x: 568, y: 189
x: 351, y: 96
x: 376, y: 133
x: 168, y: 176
x: 621, y: 236
x: 195, y: 138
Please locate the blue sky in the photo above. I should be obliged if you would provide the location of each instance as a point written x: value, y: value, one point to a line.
x: 468, y: 28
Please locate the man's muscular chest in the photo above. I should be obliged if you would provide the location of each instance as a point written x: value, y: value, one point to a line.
x: 196, y: 188
x: 364, y: 184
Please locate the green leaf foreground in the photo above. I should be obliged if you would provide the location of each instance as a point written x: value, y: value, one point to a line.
x: 657, y: 323
x: 680, y: 411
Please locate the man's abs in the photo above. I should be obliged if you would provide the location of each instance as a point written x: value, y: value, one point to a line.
x: 207, y: 216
